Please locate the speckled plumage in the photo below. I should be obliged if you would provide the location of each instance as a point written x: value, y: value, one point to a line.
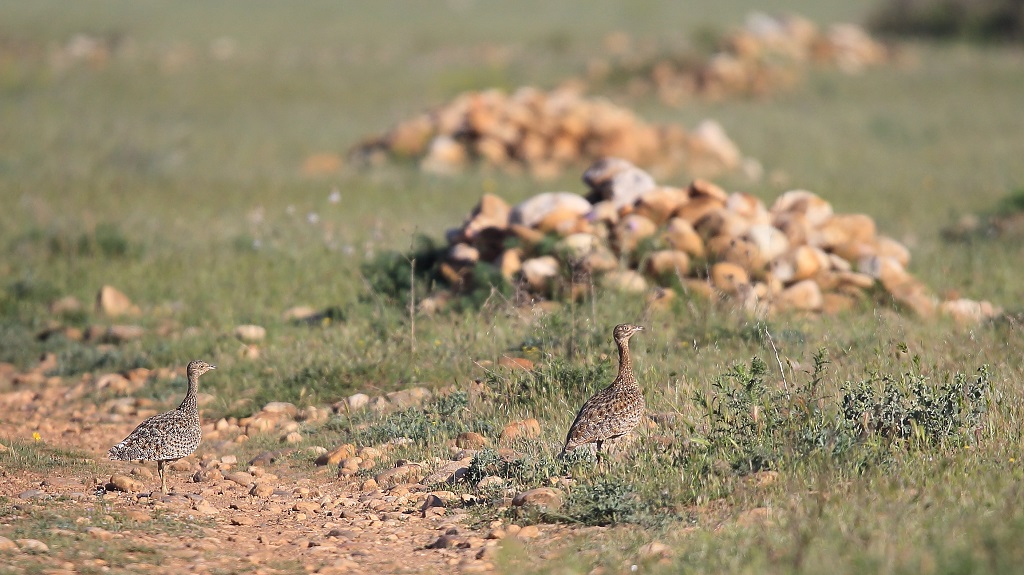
x: 167, y: 436
x: 615, y: 410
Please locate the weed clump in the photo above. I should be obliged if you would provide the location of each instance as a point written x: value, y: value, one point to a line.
x: 753, y: 426
x: 605, y: 502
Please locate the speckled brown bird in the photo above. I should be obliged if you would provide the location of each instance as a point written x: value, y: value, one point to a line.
x: 168, y: 436
x: 615, y: 410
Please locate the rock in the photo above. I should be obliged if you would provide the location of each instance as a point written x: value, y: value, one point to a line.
x: 533, y: 211
x: 32, y: 545
x: 240, y: 477
x: 659, y: 204
x: 680, y: 235
x: 527, y: 428
x: 125, y: 483
x: 749, y: 207
x: 668, y: 264
x: 293, y: 437
x: 769, y: 241
x: 617, y: 180
x: 113, y: 381
x: 334, y: 456
x: 357, y: 401
x: 412, y: 397
x: 711, y: 140
x: 67, y: 305
x: 7, y: 545
x: 755, y: 516
x: 800, y: 263
x: 727, y: 277
x: 842, y: 229
x: 261, y: 490
x: 463, y: 254
x: 510, y: 262
x: 515, y: 363
x: 541, y: 497
x: 888, y: 247
x: 471, y: 440
x: 490, y: 482
x: 528, y: 532
x: 299, y: 313
x: 654, y: 550
x: 541, y: 272
x: 577, y: 246
x: 491, y: 213
x: 963, y: 311
x: 99, y: 533
x: 430, y: 502
x: 816, y: 210
x: 392, y: 476
x: 627, y: 281
x: 281, y: 408
x: 250, y: 333
x: 446, y: 156
x: 445, y: 542
x: 115, y: 334
x: 112, y: 302
x: 631, y: 230
x: 803, y: 296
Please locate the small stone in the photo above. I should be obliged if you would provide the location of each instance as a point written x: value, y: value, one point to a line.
x: 66, y: 305
x: 281, y: 408
x: 99, y: 533
x: 412, y: 397
x: 305, y: 507
x: 250, y: 333
x: 293, y: 437
x: 430, y: 502
x: 261, y: 490
x: 496, y: 533
x: 471, y: 440
x: 533, y: 211
x: 242, y: 520
x: 121, y: 333
x: 654, y: 550
x: 515, y: 363
x: 491, y: 482
x: 138, y: 516
x: 727, y: 277
x: 391, y: 476
x: 240, y: 477
x: 32, y: 494
x: 229, y: 459
x: 112, y: 302
x: 125, y: 483
x: 444, y: 542
x: 528, y: 532
x: 357, y: 401
x: 540, y: 272
x: 542, y: 497
x: 334, y: 456
x: 7, y: 545
x: 32, y: 545
x: 526, y: 428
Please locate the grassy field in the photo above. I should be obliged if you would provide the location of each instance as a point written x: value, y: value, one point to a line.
x: 173, y: 171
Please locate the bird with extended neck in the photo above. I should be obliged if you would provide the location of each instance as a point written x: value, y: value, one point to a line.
x: 615, y: 410
x: 168, y: 436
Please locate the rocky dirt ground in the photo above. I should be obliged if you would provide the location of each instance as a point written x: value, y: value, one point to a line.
x: 71, y: 510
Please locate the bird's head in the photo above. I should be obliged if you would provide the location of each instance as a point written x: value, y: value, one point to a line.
x: 625, y: 331
x: 199, y: 367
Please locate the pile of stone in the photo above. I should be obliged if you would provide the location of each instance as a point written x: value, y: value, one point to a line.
x: 545, y: 132
x: 630, y: 233
x: 765, y: 55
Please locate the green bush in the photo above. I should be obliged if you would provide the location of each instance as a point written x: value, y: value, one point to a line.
x: 984, y: 20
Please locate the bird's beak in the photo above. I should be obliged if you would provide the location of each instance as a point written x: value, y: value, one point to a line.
x: 639, y: 328
x: 213, y: 367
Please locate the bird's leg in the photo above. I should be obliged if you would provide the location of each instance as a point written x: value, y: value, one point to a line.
x: 600, y: 458
x: 163, y: 477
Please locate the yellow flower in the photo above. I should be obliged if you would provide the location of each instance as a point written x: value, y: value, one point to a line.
x: 36, y: 436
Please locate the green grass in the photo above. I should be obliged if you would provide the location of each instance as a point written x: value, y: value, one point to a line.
x: 174, y: 175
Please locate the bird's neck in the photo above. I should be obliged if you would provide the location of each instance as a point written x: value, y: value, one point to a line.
x: 625, y: 364
x: 189, y: 403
